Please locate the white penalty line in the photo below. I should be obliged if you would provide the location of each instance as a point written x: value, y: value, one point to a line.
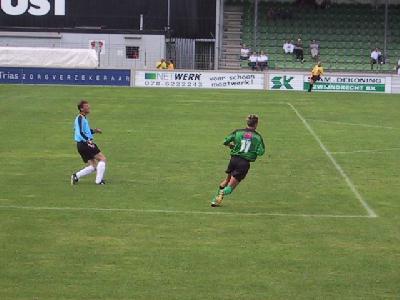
x: 346, y: 178
x: 352, y: 124
x: 185, y: 212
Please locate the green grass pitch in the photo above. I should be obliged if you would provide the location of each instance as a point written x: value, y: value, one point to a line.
x: 292, y: 230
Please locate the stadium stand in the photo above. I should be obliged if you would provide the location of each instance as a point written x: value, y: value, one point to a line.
x: 347, y: 33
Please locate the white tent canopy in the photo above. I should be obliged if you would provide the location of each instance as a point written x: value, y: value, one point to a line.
x: 48, y: 57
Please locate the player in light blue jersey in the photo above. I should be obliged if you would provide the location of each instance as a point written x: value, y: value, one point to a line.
x: 90, y: 153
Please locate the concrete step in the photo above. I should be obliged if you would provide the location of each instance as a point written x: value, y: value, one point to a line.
x: 232, y: 46
x: 231, y: 57
x: 233, y: 40
x: 232, y: 32
x: 229, y: 23
x: 237, y: 14
x: 238, y: 32
x: 231, y: 49
x: 233, y: 8
x: 233, y: 18
x: 231, y: 52
x: 232, y: 35
x: 235, y: 27
x: 233, y: 15
x: 238, y: 9
x: 232, y: 61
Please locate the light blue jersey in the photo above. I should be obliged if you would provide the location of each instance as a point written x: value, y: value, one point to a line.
x: 83, y: 133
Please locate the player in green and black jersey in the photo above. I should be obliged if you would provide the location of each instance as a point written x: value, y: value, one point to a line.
x: 246, y: 145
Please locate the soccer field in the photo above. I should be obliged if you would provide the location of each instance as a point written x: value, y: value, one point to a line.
x: 316, y: 218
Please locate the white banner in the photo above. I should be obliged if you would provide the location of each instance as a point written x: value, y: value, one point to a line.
x: 194, y: 79
x: 48, y: 57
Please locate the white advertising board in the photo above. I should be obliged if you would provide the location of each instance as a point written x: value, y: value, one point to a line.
x: 351, y: 83
x: 287, y: 81
x: 187, y: 79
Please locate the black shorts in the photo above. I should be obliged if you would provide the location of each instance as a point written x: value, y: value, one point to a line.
x: 252, y: 64
x: 263, y: 64
x: 87, y: 153
x: 316, y: 77
x: 238, y: 167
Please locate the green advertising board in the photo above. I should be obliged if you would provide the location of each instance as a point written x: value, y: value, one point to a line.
x: 348, y: 83
x: 350, y: 87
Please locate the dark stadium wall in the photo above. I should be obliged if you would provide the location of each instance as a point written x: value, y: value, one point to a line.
x: 193, y: 19
x: 189, y: 18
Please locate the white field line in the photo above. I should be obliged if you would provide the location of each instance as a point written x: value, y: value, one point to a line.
x: 366, y: 151
x: 352, y: 124
x: 225, y: 102
x: 184, y: 212
x: 346, y: 178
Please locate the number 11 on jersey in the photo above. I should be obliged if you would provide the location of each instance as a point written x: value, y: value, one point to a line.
x: 245, y: 146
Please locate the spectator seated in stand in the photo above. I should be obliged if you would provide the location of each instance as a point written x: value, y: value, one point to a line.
x: 253, y: 59
x: 298, y: 50
x: 244, y: 53
x: 288, y: 47
x: 314, y: 50
x: 161, y: 65
x: 376, y: 58
x: 262, y: 61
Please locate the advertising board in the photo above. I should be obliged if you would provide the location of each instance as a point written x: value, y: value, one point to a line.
x: 102, y: 77
x: 348, y: 83
x: 199, y: 80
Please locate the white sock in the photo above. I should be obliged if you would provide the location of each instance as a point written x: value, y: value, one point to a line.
x: 101, y: 168
x: 86, y: 171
